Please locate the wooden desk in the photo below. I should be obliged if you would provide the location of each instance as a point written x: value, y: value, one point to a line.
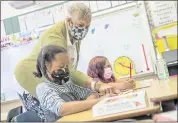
x: 87, y: 115
x: 163, y: 90
x: 159, y: 91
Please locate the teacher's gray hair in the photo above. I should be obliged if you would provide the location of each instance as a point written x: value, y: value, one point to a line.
x: 79, y: 9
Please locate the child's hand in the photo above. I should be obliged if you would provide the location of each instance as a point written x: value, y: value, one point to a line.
x: 130, y: 84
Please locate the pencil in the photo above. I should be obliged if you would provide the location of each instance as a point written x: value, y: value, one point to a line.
x: 130, y: 70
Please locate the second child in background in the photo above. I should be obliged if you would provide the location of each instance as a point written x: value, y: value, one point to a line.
x: 100, y: 68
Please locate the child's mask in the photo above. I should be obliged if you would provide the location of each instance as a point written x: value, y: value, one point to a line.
x: 62, y: 75
x: 107, y: 73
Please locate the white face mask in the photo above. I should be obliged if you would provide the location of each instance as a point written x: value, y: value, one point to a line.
x: 107, y: 73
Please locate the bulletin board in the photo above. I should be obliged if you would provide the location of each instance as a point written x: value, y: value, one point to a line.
x: 163, y: 21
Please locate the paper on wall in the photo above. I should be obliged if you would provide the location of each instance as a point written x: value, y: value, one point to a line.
x: 58, y: 13
x: 93, y: 6
x: 103, y: 4
x: 3, y: 32
x: 30, y: 20
x: 115, y: 3
x: 162, y: 12
x: 22, y: 23
x: 122, y: 2
x: 47, y: 17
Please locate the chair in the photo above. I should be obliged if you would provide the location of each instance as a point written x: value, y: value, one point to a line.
x: 28, y: 116
x: 32, y: 104
x: 14, y: 112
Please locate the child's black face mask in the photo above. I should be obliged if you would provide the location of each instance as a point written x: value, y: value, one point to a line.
x: 62, y: 75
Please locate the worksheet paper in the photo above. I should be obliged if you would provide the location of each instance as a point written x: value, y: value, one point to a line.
x: 121, y: 103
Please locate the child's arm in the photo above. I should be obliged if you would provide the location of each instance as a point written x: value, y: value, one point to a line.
x: 77, y: 106
x: 93, y: 96
x: 50, y: 100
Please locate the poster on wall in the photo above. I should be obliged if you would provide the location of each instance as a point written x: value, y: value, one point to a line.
x: 103, y: 4
x: 22, y: 23
x: 44, y: 17
x: 18, y: 39
x: 161, y: 12
x: 93, y: 6
x: 3, y: 32
x: 30, y: 20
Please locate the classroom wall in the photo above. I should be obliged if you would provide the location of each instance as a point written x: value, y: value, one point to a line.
x: 7, y: 11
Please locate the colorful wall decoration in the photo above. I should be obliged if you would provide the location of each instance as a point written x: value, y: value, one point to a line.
x: 18, y: 39
x: 170, y: 32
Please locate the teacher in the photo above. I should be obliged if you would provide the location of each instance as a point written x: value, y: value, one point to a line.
x: 67, y: 34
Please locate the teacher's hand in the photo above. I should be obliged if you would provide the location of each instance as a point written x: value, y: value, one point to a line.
x: 105, y: 89
x: 124, y: 84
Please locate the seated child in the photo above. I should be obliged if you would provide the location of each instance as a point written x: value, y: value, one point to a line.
x: 100, y: 68
x: 58, y: 96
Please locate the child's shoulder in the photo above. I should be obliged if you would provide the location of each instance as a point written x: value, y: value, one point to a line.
x: 45, y: 85
x: 42, y: 86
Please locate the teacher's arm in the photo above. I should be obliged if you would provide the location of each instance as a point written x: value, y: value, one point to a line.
x: 83, y: 80
x: 80, y: 78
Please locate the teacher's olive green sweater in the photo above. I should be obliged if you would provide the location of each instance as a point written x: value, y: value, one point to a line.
x: 57, y: 34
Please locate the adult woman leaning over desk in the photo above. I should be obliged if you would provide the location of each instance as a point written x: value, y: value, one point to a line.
x: 67, y: 34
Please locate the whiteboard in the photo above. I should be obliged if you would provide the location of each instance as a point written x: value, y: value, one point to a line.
x: 127, y: 34
x: 10, y: 58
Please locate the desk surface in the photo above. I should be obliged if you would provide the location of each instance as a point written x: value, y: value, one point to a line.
x: 163, y: 90
x: 159, y: 91
x: 87, y: 115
